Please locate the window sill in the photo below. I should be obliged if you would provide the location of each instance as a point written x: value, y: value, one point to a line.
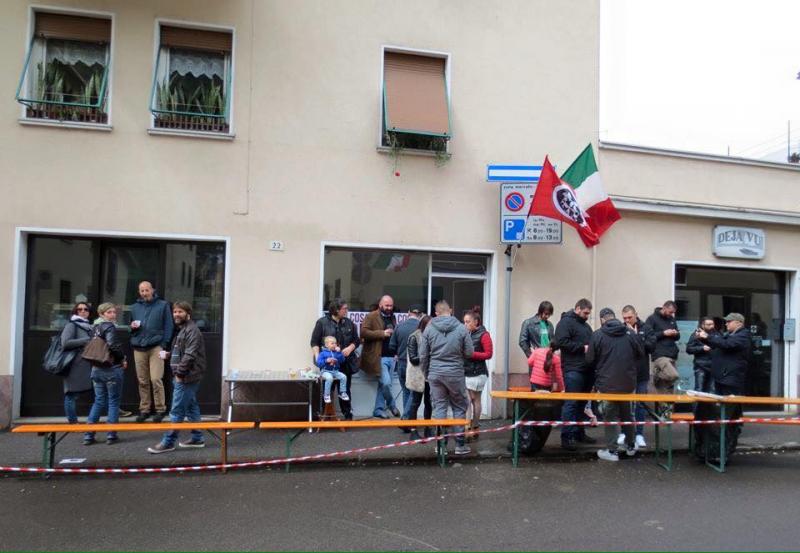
x: 191, y: 134
x: 65, y: 124
x: 413, y: 152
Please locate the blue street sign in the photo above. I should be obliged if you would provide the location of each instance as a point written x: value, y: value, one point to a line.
x: 513, y: 229
x: 513, y: 173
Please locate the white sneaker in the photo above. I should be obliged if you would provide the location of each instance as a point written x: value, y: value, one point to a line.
x: 327, y: 399
x: 607, y: 455
x: 621, y: 439
x: 640, y: 443
x: 631, y: 451
x: 462, y: 450
x: 344, y: 396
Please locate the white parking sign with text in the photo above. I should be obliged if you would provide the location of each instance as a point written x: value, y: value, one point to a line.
x: 515, y: 225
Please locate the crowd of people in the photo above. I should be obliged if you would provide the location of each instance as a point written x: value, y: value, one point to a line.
x: 627, y: 356
x: 439, y: 360
x: 99, y: 361
x: 442, y: 361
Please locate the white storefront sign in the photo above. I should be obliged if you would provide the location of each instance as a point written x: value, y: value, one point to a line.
x: 739, y: 242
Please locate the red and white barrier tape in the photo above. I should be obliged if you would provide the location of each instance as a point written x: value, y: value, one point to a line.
x: 334, y: 454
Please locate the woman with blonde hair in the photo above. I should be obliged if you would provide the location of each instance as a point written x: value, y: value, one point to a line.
x: 106, y: 377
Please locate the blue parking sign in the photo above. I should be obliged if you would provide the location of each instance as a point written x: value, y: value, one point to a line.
x: 513, y: 229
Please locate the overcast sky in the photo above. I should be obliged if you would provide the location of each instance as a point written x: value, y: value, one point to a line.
x: 702, y: 75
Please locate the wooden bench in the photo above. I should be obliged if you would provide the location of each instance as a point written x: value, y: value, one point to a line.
x: 51, y: 431
x: 302, y: 426
x: 659, y: 451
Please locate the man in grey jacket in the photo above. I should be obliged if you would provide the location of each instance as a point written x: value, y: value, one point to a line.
x: 444, y: 347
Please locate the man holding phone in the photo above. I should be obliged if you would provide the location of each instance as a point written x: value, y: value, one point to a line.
x: 665, y: 354
x: 151, y: 333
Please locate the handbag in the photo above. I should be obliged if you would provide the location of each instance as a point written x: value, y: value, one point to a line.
x: 97, y: 351
x: 415, y: 379
x: 57, y: 360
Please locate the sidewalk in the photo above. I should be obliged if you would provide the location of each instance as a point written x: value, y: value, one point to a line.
x: 26, y: 450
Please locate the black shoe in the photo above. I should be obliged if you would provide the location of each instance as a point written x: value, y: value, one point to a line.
x: 158, y: 417
x: 141, y: 417
x: 414, y: 435
x: 348, y: 416
x: 569, y: 444
x: 587, y: 439
x: 111, y: 440
x: 395, y: 411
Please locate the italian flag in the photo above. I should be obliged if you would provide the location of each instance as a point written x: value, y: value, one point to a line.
x: 584, y: 179
x: 392, y: 262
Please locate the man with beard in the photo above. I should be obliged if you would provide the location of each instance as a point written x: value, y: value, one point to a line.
x: 572, y: 338
x: 377, y: 357
x: 336, y: 323
x: 665, y: 354
x: 188, y: 363
x: 703, y: 382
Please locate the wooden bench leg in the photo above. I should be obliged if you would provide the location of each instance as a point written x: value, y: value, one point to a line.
x: 223, y: 444
x: 515, y: 436
x: 290, y: 438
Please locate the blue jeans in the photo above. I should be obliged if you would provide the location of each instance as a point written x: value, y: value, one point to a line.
x: 578, y: 382
x: 401, y: 375
x: 69, y: 406
x: 327, y: 379
x: 184, y: 407
x: 383, y: 398
x: 107, y: 393
x: 640, y: 412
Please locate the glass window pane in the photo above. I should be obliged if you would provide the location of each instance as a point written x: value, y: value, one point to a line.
x: 459, y: 263
x: 60, y: 275
x: 196, y: 273
x: 362, y: 276
x: 123, y: 268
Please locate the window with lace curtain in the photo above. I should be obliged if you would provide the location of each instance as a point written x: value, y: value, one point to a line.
x: 192, y: 81
x: 65, y: 77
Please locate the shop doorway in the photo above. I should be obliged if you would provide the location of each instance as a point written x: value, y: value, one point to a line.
x: 62, y: 270
x: 758, y: 295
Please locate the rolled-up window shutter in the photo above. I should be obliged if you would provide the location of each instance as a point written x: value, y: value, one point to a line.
x: 416, y: 94
x: 196, y: 39
x: 72, y: 27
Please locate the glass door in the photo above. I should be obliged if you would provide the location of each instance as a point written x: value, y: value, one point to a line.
x: 759, y: 296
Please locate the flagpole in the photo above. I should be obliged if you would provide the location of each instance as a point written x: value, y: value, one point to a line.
x: 594, y: 285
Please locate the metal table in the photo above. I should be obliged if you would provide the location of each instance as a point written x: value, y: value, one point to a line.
x: 269, y: 377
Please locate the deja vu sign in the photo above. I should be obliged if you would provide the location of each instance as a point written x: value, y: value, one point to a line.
x: 739, y: 242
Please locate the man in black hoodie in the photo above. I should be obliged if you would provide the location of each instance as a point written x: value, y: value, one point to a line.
x: 703, y: 381
x: 613, y: 354
x: 647, y: 338
x: 572, y: 338
x: 664, y: 371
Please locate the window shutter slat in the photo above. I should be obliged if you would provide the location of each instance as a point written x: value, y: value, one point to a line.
x: 196, y: 39
x: 72, y: 27
x: 416, y: 93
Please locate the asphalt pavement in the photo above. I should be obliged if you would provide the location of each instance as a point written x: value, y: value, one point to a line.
x: 399, y: 499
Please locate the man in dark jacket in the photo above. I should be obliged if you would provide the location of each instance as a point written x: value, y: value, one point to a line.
x: 151, y: 333
x: 572, y: 338
x: 398, y: 344
x: 665, y: 354
x: 443, y: 349
x: 613, y: 353
x: 730, y: 355
x: 538, y: 331
x: 336, y: 323
x: 647, y: 338
x: 188, y: 363
x: 703, y: 382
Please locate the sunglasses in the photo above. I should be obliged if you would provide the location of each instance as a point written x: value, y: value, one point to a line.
x: 82, y: 309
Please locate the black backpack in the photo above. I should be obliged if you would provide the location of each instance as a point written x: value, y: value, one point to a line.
x: 56, y: 360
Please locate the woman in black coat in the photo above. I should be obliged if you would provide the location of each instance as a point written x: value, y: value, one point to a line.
x: 77, y: 380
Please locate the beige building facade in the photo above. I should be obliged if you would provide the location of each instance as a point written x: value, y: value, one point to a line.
x: 236, y: 154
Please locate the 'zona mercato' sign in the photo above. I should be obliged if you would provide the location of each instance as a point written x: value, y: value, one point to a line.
x: 739, y: 242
